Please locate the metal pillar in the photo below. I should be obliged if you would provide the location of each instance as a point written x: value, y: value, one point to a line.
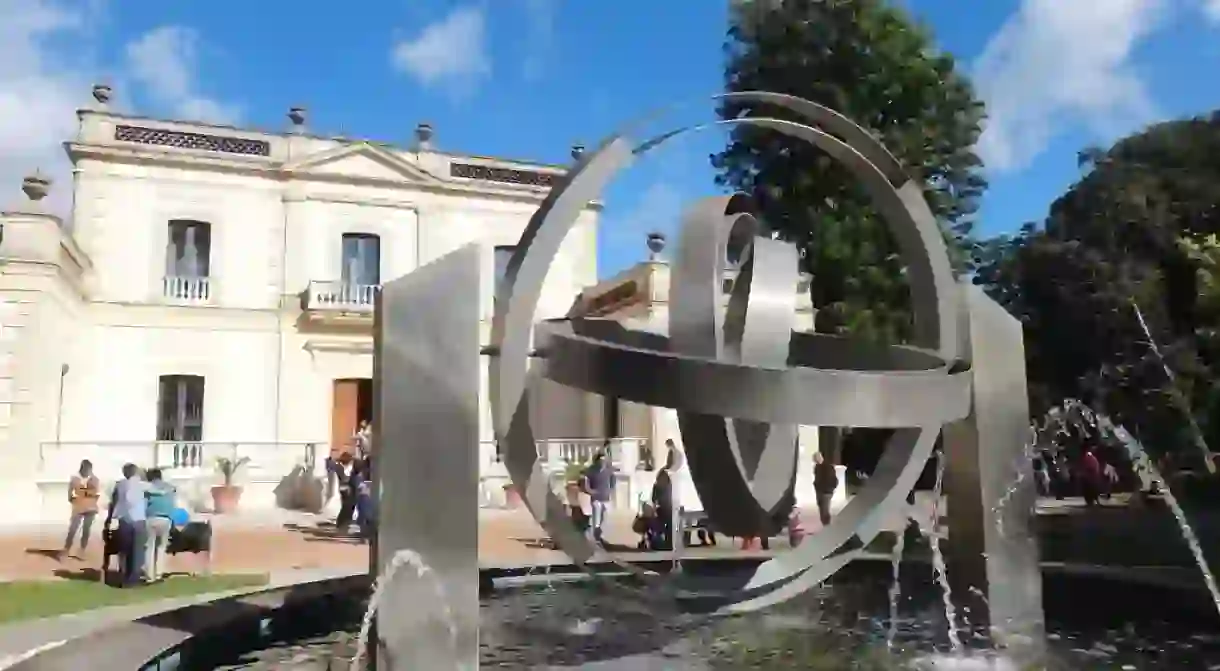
x: 993, y: 550
x: 426, y: 404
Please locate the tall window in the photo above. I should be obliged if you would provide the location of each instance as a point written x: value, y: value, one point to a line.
x: 504, y: 253
x: 180, y: 417
x: 188, y: 253
x: 361, y: 259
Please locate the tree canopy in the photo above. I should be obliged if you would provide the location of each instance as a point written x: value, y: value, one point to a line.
x: 868, y: 60
x: 1136, y: 238
x: 1139, y: 229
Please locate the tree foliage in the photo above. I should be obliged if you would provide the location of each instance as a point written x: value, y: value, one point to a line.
x: 868, y: 60
x: 1138, y: 229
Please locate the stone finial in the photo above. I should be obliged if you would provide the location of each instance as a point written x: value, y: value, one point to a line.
x: 297, y: 115
x: 36, y: 186
x: 578, y: 150
x: 423, y: 135
x: 656, y: 244
x: 102, y: 94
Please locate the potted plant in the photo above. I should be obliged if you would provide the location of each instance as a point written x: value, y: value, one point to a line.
x: 227, y: 495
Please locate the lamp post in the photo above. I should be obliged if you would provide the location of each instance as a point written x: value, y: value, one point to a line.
x: 59, y: 404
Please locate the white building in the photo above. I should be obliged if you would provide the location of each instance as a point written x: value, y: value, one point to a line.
x: 211, y: 295
x: 639, y: 298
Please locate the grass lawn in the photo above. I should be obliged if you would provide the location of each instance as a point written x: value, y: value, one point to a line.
x: 32, y: 599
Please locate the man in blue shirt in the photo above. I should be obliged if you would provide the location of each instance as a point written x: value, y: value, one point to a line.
x: 128, y: 506
x: 599, y: 485
x: 162, y: 499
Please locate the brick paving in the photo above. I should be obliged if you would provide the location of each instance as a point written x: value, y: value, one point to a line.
x: 285, y: 541
x: 291, y: 543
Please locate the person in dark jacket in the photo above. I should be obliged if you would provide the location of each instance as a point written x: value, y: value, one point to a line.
x: 366, y: 514
x: 343, y: 468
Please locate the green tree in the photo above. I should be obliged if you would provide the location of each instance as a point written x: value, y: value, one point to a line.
x: 868, y: 60
x: 1139, y: 228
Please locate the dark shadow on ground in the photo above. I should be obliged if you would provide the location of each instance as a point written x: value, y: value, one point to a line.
x: 82, y: 574
x: 43, y: 552
x: 326, y: 534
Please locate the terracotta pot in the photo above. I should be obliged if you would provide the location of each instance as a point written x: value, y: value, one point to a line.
x: 512, y: 497
x: 225, y: 498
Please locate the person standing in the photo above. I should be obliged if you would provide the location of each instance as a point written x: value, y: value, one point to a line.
x: 825, y: 484
x: 84, y: 490
x: 1109, y: 479
x: 344, y: 468
x: 366, y: 515
x: 598, y: 483
x: 1042, y: 477
x: 663, y: 499
x: 363, y: 440
x: 162, y: 500
x: 1090, y: 476
x: 129, y: 507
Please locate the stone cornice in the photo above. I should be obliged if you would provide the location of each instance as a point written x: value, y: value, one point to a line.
x: 270, y: 169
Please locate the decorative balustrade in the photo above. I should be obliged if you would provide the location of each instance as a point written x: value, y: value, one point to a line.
x: 626, y: 454
x: 58, y: 461
x: 179, y: 289
x: 341, y: 296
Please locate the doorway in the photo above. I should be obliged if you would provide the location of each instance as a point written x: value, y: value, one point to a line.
x: 352, y: 403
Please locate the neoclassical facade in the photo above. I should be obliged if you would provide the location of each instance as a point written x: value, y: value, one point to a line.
x: 638, y: 297
x: 211, y: 295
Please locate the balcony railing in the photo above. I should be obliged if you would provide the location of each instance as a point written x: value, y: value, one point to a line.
x: 341, y: 296
x: 58, y: 461
x: 190, y: 290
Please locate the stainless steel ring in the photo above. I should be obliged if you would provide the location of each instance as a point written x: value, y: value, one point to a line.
x: 934, y: 298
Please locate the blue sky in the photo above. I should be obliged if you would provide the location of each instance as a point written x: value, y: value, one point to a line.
x: 528, y: 78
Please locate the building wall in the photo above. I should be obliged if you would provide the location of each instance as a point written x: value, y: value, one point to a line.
x: 268, y: 369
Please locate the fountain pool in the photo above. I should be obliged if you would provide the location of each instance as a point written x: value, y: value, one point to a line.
x: 1094, y: 622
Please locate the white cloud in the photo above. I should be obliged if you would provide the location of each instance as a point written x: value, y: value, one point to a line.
x: 539, y: 36
x: 1211, y: 9
x: 164, y: 61
x: 450, y: 53
x: 38, y: 94
x: 1055, y: 64
x: 46, y: 73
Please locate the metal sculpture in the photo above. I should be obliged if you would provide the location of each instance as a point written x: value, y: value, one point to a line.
x: 747, y: 365
x: 740, y: 378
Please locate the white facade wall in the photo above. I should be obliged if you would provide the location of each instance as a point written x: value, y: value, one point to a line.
x: 268, y: 358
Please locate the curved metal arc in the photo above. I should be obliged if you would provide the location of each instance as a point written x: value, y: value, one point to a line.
x: 852, y: 133
x: 511, y: 330
x: 742, y: 469
x: 905, y: 211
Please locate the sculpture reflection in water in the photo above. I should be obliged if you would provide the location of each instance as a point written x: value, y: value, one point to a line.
x: 741, y: 379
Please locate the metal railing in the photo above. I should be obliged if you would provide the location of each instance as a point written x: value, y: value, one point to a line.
x: 186, y: 289
x: 59, y: 460
x: 340, y: 295
x: 559, y: 453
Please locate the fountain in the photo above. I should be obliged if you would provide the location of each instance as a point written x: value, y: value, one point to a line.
x: 741, y: 380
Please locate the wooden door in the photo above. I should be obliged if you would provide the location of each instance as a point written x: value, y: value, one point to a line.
x: 344, y: 415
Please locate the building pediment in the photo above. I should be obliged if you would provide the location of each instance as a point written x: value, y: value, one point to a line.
x: 359, y: 162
